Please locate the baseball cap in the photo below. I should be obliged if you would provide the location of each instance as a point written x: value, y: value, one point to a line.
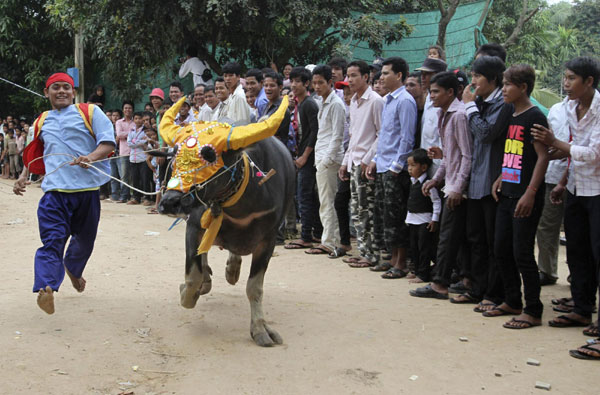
x: 158, y: 93
x: 431, y: 65
x: 341, y: 84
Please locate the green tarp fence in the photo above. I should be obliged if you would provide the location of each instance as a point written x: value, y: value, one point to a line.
x: 465, y: 25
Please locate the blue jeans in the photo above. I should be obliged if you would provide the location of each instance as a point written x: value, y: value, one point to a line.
x: 120, y: 168
x: 115, y: 186
x: 308, y: 200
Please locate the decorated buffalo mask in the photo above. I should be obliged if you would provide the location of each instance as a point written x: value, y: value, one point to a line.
x: 200, y: 145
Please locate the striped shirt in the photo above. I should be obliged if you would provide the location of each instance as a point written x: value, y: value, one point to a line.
x: 488, y: 120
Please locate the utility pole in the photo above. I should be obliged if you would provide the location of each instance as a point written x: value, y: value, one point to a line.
x: 79, y: 65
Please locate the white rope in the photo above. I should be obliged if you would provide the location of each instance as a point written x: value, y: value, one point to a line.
x: 88, y: 164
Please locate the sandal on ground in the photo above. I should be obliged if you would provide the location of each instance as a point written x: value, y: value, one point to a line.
x: 297, y: 245
x: 592, y: 331
x: 427, y: 292
x: 481, y: 307
x: 563, y: 308
x: 463, y: 299
x: 152, y: 211
x: 519, y: 324
x: 394, y: 273
x: 338, y: 252
x: 352, y: 259
x: 498, y: 312
x: 584, y: 355
x: 318, y: 250
x: 381, y: 267
x: 570, y: 322
x: 360, y: 264
x: 562, y: 301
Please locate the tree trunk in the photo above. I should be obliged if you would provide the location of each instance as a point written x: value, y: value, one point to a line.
x: 447, y: 14
x: 525, y: 16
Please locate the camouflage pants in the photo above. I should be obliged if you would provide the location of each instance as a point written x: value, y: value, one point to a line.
x: 362, y: 206
x: 391, y: 197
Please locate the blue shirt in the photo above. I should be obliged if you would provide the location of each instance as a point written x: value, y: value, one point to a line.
x: 397, y: 134
x: 64, y: 132
x: 261, y: 103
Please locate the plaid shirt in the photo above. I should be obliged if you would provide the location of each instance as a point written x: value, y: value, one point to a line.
x: 584, y: 169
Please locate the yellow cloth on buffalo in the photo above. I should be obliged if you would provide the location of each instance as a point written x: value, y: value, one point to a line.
x: 213, y: 224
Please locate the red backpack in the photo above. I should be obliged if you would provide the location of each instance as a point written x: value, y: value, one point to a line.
x: 35, y: 149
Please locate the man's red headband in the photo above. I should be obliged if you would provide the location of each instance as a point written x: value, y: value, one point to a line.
x: 60, y: 77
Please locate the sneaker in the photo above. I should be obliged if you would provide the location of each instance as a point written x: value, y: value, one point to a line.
x: 546, y: 279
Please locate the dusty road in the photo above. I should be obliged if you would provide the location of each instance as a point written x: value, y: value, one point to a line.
x: 345, y: 331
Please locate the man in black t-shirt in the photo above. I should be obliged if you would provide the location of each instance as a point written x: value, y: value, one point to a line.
x: 308, y: 122
x: 520, y: 193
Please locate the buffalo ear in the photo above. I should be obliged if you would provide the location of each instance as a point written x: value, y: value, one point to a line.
x: 163, y: 153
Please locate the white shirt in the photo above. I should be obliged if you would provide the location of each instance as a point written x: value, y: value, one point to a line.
x: 235, y: 108
x: 584, y: 170
x: 430, y: 133
x: 196, y: 67
x: 332, y: 115
x: 558, y: 121
x: 425, y: 218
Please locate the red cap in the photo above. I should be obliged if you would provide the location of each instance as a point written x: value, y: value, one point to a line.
x: 59, y: 77
x: 158, y: 93
x: 341, y: 84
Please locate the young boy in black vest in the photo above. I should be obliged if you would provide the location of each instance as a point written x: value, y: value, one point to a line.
x: 422, y: 217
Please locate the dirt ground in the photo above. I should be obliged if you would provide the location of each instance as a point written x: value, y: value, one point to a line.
x: 345, y: 331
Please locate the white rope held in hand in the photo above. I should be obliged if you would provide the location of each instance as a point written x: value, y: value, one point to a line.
x: 89, y: 164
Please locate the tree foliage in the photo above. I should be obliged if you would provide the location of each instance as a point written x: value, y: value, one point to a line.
x: 139, y: 36
x: 30, y: 49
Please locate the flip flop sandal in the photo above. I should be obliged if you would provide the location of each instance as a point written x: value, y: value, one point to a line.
x: 479, y: 308
x: 561, y: 301
x: 381, y: 267
x: 352, y: 259
x: 466, y: 299
x: 561, y: 308
x: 427, y: 292
x: 361, y: 264
x: 295, y: 245
x: 592, y: 331
x: 569, y: 324
x: 501, y: 310
x: 318, y: 250
x: 526, y: 324
x: 394, y: 273
x: 338, y: 252
x: 580, y: 355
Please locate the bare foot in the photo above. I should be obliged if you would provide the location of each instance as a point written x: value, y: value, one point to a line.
x: 416, y: 280
x: 45, y: 300
x: 78, y: 283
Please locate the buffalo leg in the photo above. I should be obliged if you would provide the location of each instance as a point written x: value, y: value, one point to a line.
x: 232, y: 270
x: 197, y: 271
x: 259, y: 330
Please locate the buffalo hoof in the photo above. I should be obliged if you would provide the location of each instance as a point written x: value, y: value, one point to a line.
x: 264, y: 336
x: 232, y: 274
x: 205, y: 287
x: 188, y: 300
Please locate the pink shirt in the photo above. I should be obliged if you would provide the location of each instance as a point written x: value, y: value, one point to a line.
x: 457, y: 144
x: 122, y: 129
x: 365, y: 122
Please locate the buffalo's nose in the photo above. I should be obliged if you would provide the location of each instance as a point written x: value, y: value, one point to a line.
x: 170, y: 203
